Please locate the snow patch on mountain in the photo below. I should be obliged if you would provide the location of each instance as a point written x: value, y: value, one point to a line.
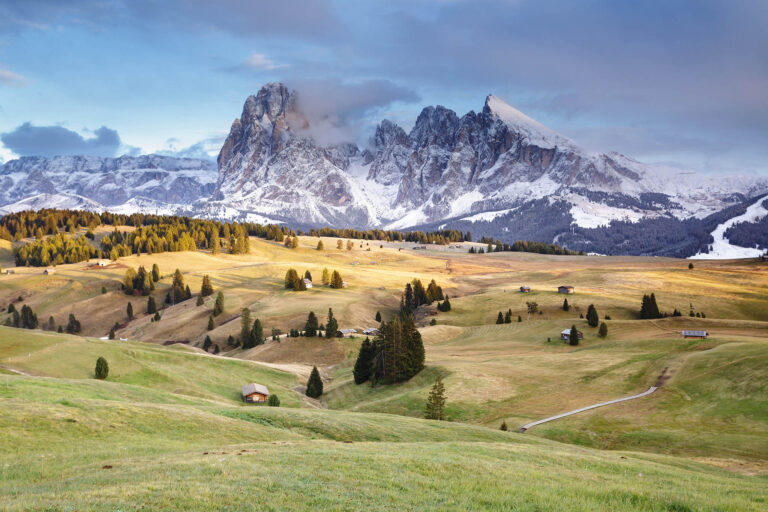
x: 721, y: 248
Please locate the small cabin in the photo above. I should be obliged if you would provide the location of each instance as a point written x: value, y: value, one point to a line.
x: 49, y: 271
x: 347, y: 333
x: 565, y: 289
x: 307, y: 283
x: 565, y: 335
x: 255, y: 393
x: 525, y: 289
x: 343, y: 284
x: 371, y: 331
x: 102, y: 263
x: 700, y: 335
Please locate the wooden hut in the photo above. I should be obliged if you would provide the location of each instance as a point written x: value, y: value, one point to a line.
x: 565, y: 289
x: 701, y: 335
x: 255, y: 393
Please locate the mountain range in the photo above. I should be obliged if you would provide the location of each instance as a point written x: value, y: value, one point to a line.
x: 496, y: 173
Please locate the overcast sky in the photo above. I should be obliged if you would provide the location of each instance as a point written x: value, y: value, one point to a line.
x: 673, y: 81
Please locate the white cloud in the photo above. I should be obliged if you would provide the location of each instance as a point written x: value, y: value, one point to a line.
x: 261, y: 61
x: 10, y: 78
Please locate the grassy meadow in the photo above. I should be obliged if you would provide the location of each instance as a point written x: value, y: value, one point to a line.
x: 170, y: 424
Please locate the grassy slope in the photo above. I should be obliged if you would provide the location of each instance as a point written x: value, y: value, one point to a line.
x: 74, y: 443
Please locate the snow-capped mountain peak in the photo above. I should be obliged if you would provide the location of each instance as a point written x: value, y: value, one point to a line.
x: 535, y: 132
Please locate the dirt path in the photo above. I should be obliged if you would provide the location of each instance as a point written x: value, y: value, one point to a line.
x: 595, y: 406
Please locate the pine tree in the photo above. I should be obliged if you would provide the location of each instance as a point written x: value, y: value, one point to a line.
x: 519, y: 318
x: 291, y: 277
x: 155, y: 272
x: 73, y: 326
x: 129, y: 311
x: 310, y: 328
x: 257, y: 333
x: 331, y: 326
x: 378, y: 316
x: 326, y: 276
x: 245, y: 328
x: 566, y: 307
x: 436, y: 401
x: 592, y: 317
x: 151, y: 305
x: 500, y: 318
x: 307, y: 275
x: 320, y: 245
x: 314, y: 384
x: 364, y: 362
x: 508, y: 317
x: 112, y: 333
x: 51, y: 324
x: 210, y: 323
x: 336, y: 281
x: 179, y: 292
x: 603, y: 331
x: 573, y: 338
x: 215, y: 243
x: 207, y: 288
x: 273, y: 401
x: 102, y: 369
x: 504, y: 426
x: 207, y: 343
x: 690, y: 266
x: 218, y: 307
x: 199, y: 301
x: 156, y: 318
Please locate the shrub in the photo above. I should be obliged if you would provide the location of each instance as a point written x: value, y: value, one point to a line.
x: 603, y: 331
x: 273, y: 400
x: 102, y: 369
x: 504, y: 426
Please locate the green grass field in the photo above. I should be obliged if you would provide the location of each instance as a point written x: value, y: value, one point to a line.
x: 162, y: 408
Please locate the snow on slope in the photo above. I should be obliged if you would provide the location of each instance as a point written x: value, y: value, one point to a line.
x: 722, y: 248
x: 536, y: 133
x: 58, y: 201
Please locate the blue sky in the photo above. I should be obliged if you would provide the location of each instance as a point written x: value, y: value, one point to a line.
x: 682, y: 82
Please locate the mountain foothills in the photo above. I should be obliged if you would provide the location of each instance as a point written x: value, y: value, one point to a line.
x: 496, y: 173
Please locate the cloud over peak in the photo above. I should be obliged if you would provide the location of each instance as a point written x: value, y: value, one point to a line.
x: 30, y: 140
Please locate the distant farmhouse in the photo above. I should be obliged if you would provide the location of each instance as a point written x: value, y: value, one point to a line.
x: 49, y: 271
x: 371, y: 331
x: 565, y: 335
x: 307, y: 283
x: 347, y: 333
x: 255, y: 393
x: 525, y: 289
x: 565, y: 289
x: 701, y: 335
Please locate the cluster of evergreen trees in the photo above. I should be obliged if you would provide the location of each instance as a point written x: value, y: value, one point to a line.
x: 27, y: 319
x: 506, y: 318
x: 395, y: 355
x: 648, y: 308
x: 55, y: 250
x: 446, y: 236
x: 140, y: 282
x: 525, y: 246
x: 251, y: 334
x: 415, y: 295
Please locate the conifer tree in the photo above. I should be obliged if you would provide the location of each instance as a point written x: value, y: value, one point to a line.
x: 291, y: 277
x: 187, y: 293
x: 339, y: 244
x: 336, y: 281
x: 378, y: 316
x: 155, y: 272
x: 310, y: 328
x: 129, y: 311
x: 206, y: 288
x: 156, y: 318
x: 151, y: 305
x: 573, y: 337
x: 273, y: 401
x: 436, y: 401
x: 73, y: 325
x: 603, y: 331
x: 331, y: 326
x: 199, y: 301
x: 210, y: 323
x: 314, y: 384
x: 508, y: 317
x: 307, y: 275
x: 102, y: 369
x: 566, y: 307
x: 215, y: 243
x: 500, y: 318
x: 51, y: 324
x: 504, y: 426
x: 216, y: 348
x: 245, y: 328
x: 257, y: 333
x: 519, y: 318
x: 364, y: 362
x: 112, y: 333
x: 326, y: 276
x: 207, y: 343
x: 592, y: 317
x: 295, y: 242
x: 320, y: 245
x: 218, y: 307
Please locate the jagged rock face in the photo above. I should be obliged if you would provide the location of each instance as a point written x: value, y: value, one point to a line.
x: 108, y: 181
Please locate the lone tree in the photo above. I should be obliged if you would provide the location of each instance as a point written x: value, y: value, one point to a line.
x: 273, y: 400
x: 129, y: 311
x: 155, y: 272
x: 307, y: 275
x: 200, y: 301
x: 592, y: 318
x: 257, y: 333
x: 331, y: 326
x: 210, y: 323
x: 245, y: 327
x: 336, y: 281
x: 364, y: 363
x: 207, y: 343
x: 151, y: 305
x: 310, y: 328
x: 314, y: 384
x: 326, y: 276
x: 504, y: 426
x: 102, y: 369
x: 566, y: 307
x: 573, y: 337
x: 690, y: 266
x: 291, y: 277
x: 206, y: 288
x: 436, y: 401
x: 603, y: 331
x: 378, y: 316
x: 500, y: 318
x: 320, y: 245
x: 218, y: 307
x: 648, y: 308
